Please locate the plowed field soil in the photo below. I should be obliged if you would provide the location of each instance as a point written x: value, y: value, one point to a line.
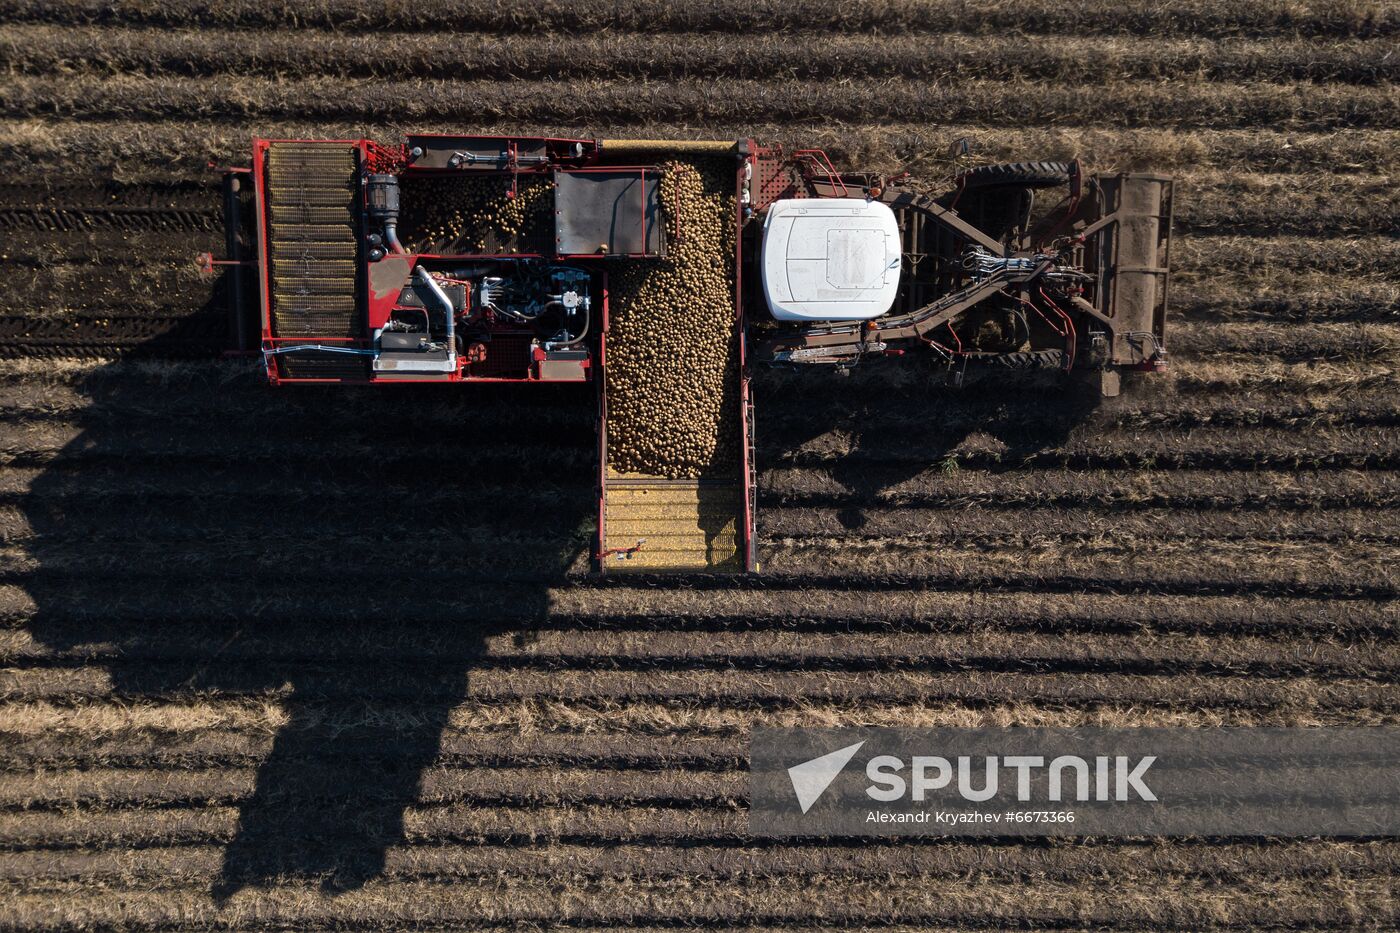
x: 326, y: 658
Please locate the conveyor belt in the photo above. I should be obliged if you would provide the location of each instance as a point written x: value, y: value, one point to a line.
x: 656, y: 524
x: 312, y: 243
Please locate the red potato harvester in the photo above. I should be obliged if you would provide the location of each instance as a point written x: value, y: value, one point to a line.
x: 830, y: 268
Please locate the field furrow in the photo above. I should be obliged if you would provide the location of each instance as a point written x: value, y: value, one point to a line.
x: 731, y: 55
x: 29, y: 492
x: 932, y: 526
x: 310, y: 659
x: 1221, y: 104
x: 804, y: 605
x: 1280, y: 568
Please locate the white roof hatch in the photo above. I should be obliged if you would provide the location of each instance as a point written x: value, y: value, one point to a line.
x: 830, y: 259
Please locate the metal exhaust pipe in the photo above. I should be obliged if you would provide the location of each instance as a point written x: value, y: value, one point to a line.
x: 391, y: 236
x: 430, y: 283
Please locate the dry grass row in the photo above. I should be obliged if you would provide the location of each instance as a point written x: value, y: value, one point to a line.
x: 791, y: 688
x: 1247, y: 373
x: 989, y: 650
x: 1232, y: 863
x: 659, y: 782
x: 194, y: 731
x: 1355, y: 261
x: 527, y: 784
x: 1120, y: 104
x: 1198, y: 17
x: 140, y: 150
x: 1173, y: 405
x: 929, y: 901
x: 638, y: 737
x: 1362, y: 447
x: 1222, y: 565
x: 1288, y: 204
x: 1303, y: 342
x: 748, y: 55
x: 219, y: 824
x: 85, y: 398
x: 38, y: 443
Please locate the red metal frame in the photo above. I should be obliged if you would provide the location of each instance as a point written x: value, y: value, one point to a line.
x: 372, y: 151
x: 820, y: 163
x: 750, y: 557
x: 602, y: 432
x: 773, y: 179
x: 260, y: 222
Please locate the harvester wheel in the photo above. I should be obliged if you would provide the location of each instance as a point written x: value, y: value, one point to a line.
x: 1015, y: 175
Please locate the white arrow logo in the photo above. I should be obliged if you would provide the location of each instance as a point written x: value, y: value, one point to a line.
x: 811, y: 778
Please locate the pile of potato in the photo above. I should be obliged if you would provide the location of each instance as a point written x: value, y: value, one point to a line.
x: 672, y: 351
x: 475, y: 214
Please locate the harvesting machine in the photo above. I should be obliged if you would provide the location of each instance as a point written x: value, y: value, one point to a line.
x: 367, y: 273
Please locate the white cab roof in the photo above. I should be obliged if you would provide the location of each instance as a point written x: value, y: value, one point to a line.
x: 830, y: 259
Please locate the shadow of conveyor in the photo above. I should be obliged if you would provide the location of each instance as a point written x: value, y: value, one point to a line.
x: 347, y: 551
x: 900, y: 419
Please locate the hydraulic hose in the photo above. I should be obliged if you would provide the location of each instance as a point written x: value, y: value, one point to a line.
x: 583, y: 332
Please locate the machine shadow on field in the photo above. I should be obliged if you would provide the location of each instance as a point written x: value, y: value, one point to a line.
x: 883, y: 425
x: 335, y: 552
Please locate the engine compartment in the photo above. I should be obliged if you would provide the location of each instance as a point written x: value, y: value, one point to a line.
x: 502, y: 319
x: 448, y: 258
